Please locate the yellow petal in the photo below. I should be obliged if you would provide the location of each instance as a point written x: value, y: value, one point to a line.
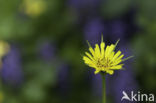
x: 116, y: 55
x: 117, y: 62
x: 106, y: 52
x: 111, y: 55
x: 97, y: 50
x: 120, y: 57
x: 110, y: 72
x: 96, y: 71
x: 110, y: 50
x: 87, y: 60
x: 92, y: 51
x: 117, y: 67
x: 102, y: 49
x: 89, y: 55
x: 92, y: 65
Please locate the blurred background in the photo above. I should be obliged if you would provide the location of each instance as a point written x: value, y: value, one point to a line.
x: 43, y: 41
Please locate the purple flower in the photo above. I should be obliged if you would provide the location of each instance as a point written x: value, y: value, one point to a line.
x: 47, y: 51
x: 84, y: 9
x: 84, y: 4
x: 125, y: 79
x: 117, y: 30
x: 12, y: 73
x: 96, y: 84
x: 63, y: 78
x: 109, y: 83
x: 93, y: 30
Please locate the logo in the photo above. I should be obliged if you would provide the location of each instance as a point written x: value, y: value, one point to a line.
x: 137, y: 97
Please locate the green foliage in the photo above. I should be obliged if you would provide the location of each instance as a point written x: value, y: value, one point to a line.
x: 60, y: 25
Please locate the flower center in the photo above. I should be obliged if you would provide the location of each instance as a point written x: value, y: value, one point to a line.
x: 103, y: 63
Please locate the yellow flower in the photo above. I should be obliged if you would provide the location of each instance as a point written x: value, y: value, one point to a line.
x: 103, y: 58
x: 1, y: 97
x: 34, y: 8
x: 4, y: 49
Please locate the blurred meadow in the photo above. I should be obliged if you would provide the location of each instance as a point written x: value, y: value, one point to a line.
x: 42, y: 43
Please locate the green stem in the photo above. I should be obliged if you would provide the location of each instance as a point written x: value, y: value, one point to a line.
x: 104, y: 88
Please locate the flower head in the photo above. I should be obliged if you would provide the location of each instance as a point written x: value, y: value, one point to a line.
x: 1, y: 97
x: 47, y: 51
x: 33, y: 8
x: 92, y: 30
x: 11, y: 72
x: 4, y: 49
x: 103, y: 58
